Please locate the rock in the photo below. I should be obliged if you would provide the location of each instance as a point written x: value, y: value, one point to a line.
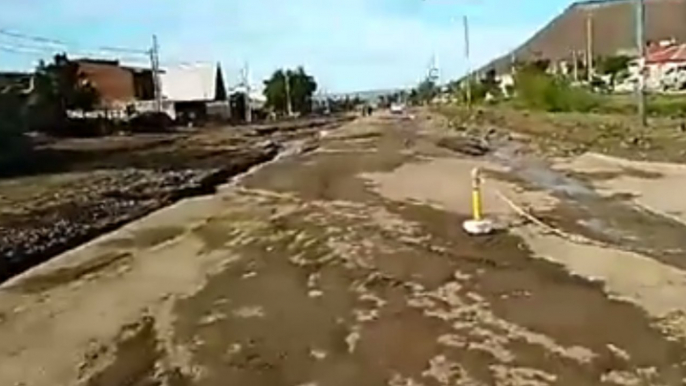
x: 466, y: 145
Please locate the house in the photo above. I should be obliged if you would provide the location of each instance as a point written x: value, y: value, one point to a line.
x: 665, y: 66
x: 118, y: 86
x: 124, y: 91
x: 197, y: 91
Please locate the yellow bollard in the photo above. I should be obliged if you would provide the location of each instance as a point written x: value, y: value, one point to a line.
x: 477, y: 202
x: 478, y: 225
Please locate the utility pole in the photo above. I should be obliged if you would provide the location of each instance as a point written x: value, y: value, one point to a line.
x: 246, y: 83
x: 640, y: 44
x: 575, y: 73
x: 324, y: 98
x: 155, y: 65
x: 289, y: 107
x: 466, y: 55
x: 589, y: 47
x: 433, y: 74
x: 513, y: 63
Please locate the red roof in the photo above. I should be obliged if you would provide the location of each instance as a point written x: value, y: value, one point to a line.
x: 670, y: 54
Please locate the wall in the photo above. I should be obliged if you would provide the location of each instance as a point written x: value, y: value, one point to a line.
x: 144, y: 86
x: 114, y: 83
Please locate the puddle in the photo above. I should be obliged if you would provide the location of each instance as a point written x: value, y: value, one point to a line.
x: 539, y: 174
x: 609, y: 220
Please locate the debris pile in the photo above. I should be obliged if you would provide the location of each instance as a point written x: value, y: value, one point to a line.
x: 120, y: 186
x: 471, y: 146
x: 28, y: 238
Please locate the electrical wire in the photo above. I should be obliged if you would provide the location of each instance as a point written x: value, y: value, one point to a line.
x: 53, y: 42
x: 21, y: 48
x: 32, y: 45
x: 15, y: 50
x: 21, y: 45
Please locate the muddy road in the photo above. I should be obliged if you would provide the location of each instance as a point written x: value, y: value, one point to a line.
x: 347, y: 265
x: 69, y: 191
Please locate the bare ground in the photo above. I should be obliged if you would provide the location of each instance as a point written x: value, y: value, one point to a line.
x: 68, y: 191
x: 348, y: 266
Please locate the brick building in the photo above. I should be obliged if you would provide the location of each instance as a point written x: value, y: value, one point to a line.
x: 117, y: 85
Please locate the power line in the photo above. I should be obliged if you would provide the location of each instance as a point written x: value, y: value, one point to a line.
x: 19, y: 45
x: 14, y: 50
x: 44, y: 40
x: 39, y: 50
x: 27, y: 44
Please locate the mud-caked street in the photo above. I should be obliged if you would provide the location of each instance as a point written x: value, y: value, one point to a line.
x: 348, y: 265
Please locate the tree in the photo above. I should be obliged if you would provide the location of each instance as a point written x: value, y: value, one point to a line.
x: 11, y: 122
x: 62, y: 82
x: 426, y: 91
x: 533, y: 66
x: 614, y: 66
x: 414, y: 96
x: 491, y: 84
x: 13, y: 143
x: 301, y: 89
x: 385, y: 100
x: 59, y: 87
x: 454, y: 87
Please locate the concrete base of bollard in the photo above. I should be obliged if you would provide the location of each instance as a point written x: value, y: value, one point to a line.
x: 478, y: 227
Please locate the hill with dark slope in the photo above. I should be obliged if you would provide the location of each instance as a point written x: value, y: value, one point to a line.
x: 613, y: 30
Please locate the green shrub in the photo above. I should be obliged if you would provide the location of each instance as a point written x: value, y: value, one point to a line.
x: 477, y: 91
x: 540, y: 91
x: 657, y: 105
x: 666, y: 106
x: 480, y: 88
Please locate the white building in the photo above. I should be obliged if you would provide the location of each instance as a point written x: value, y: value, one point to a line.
x: 197, y: 91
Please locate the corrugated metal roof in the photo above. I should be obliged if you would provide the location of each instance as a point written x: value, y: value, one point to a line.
x: 196, y: 82
x: 673, y: 53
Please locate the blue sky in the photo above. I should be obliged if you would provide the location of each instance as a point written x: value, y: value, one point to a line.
x: 349, y: 45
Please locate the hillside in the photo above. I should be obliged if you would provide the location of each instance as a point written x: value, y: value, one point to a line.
x: 613, y: 30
